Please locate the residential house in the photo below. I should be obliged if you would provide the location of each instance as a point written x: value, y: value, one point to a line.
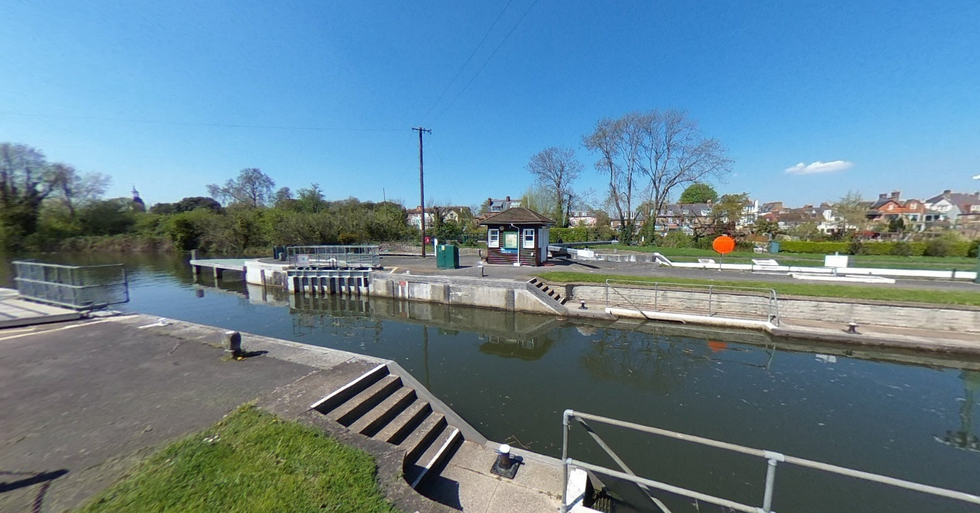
x: 581, y: 218
x: 455, y: 214
x: 517, y: 236
x: 890, y: 207
x: 962, y: 211
x: 499, y: 205
x: 689, y: 218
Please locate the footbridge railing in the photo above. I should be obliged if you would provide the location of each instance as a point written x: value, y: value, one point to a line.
x: 80, y: 287
x: 334, y: 256
x: 773, y: 459
x: 708, y: 300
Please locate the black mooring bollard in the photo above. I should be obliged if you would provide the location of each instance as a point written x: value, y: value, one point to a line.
x: 234, y: 343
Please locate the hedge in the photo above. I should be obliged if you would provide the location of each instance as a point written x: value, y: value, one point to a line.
x: 936, y: 247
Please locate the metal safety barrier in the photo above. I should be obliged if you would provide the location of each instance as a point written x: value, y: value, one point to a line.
x: 772, y: 460
x: 80, y: 287
x: 709, y: 300
x: 335, y: 257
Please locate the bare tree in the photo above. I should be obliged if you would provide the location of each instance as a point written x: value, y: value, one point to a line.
x: 554, y: 169
x: 252, y: 188
x: 74, y: 189
x: 618, y: 142
x: 676, y: 153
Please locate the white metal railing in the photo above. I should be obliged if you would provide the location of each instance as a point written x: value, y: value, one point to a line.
x: 772, y: 459
x: 711, y: 300
x: 334, y: 256
x: 80, y: 287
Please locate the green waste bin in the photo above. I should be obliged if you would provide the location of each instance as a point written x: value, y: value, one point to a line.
x: 447, y: 256
x: 774, y: 246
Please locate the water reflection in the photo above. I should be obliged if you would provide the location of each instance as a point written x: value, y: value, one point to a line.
x: 965, y: 438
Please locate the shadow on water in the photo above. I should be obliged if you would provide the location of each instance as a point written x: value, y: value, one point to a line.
x: 903, y: 414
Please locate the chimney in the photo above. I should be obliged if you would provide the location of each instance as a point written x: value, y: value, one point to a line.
x: 882, y: 196
x: 946, y: 193
x: 896, y: 195
x: 508, y: 198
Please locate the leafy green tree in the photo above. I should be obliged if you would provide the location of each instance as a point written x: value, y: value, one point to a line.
x: 107, y: 217
x: 727, y: 212
x: 763, y: 226
x: 311, y: 200
x: 26, y: 180
x: 699, y: 192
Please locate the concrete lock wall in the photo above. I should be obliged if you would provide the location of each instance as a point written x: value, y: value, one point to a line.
x: 505, y: 295
x: 945, y: 318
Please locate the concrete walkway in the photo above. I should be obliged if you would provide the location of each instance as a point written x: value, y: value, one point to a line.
x: 81, y: 403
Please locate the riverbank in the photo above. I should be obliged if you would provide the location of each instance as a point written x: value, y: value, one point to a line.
x: 88, y: 400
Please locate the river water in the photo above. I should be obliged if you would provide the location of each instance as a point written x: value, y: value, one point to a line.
x: 511, y: 376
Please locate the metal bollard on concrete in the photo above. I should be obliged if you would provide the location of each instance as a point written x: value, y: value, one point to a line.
x: 233, y: 342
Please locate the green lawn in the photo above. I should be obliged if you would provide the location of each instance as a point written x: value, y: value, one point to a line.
x: 804, y: 259
x: 250, y: 461
x: 942, y: 297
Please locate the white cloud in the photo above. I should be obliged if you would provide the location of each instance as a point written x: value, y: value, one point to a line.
x: 819, y: 167
x: 976, y: 177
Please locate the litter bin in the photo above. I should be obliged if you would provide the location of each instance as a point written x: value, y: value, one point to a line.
x: 774, y: 246
x: 447, y: 256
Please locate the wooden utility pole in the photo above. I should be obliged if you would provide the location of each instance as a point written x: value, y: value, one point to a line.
x: 421, y: 130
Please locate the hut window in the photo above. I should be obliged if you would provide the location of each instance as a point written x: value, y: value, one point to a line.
x: 528, y: 238
x: 493, y: 238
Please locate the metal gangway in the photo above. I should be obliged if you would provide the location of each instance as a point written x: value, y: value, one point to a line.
x: 717, y: 301
x: 79, y: 287
x: 334, y: 257
x: 773, y: 459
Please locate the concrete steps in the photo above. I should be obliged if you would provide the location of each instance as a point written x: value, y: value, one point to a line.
x: 379, y: 405
x: 545, y: 293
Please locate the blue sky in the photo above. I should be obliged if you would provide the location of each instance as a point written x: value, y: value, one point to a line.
x: 171, y: 96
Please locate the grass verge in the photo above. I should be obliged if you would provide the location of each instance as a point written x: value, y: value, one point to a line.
x: 806, y: 259
x: 250, y: 461
x: 941, y: 297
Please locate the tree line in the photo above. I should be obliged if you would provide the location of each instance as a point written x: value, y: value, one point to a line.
x: 51, y: 207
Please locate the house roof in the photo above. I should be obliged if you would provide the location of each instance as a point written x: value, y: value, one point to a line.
x: 518, y: 216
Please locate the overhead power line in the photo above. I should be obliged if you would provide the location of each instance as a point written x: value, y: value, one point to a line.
x: 215, y: 125
x: 468, y: 59
x: 488, y: 59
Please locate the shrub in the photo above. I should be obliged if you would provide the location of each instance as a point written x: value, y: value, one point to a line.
x: 901, y: 249
x: 802, y: 246
x: 974, y: 250
x: 676, y: 239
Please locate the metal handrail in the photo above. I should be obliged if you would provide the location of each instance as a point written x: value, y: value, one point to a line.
x: 334, y: 256
x: 716, y: 295
x: 772, y: 459
x: 72, y: 286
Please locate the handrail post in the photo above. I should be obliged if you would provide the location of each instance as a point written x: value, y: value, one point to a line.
x: 773, y: 458
x: 564, y: 458
x: 710, y: 291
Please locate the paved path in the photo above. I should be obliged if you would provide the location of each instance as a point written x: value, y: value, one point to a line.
x: 16, y: 311
x: 469, y: 267
x: 82, y: 402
